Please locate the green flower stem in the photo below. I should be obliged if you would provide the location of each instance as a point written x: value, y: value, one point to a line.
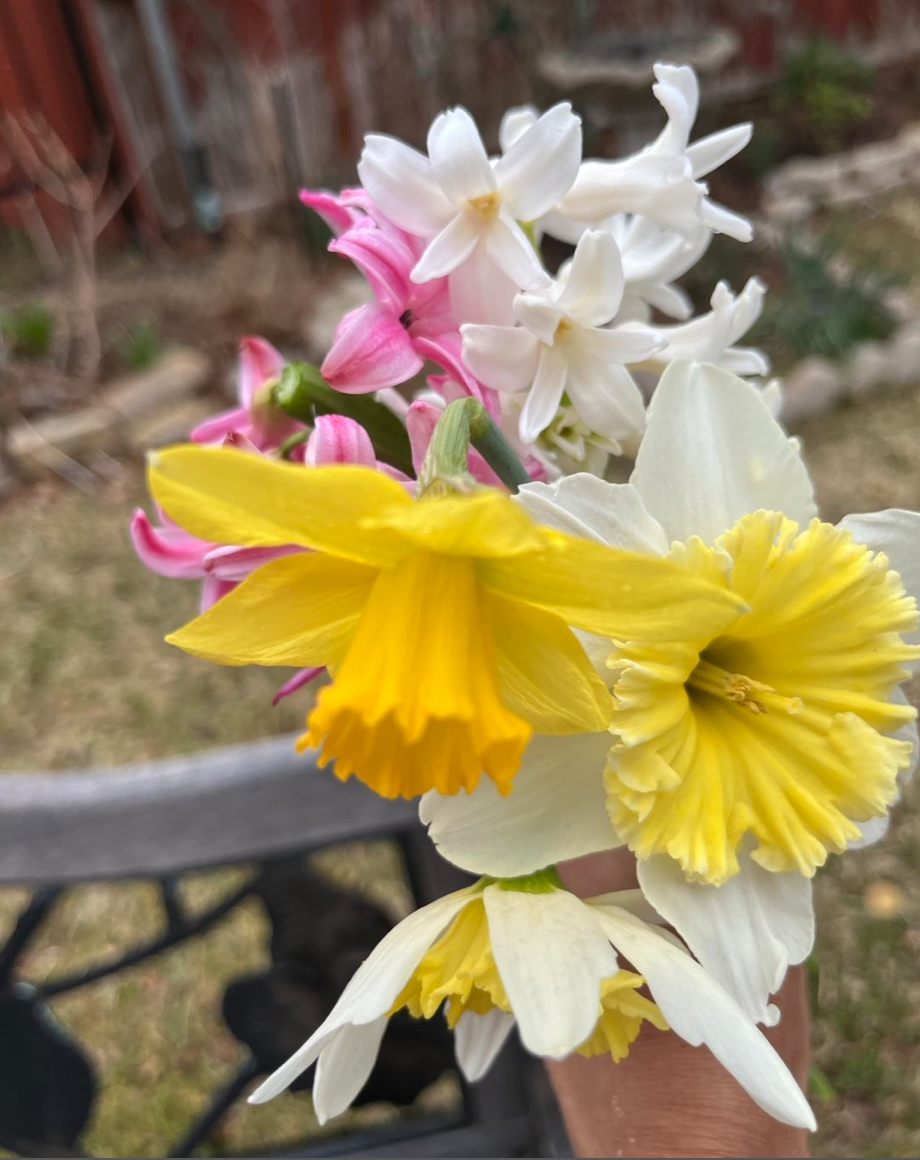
x: 303, y: 393
x: 291, y: 442
x: 465, y: 422
x: 543, y: 881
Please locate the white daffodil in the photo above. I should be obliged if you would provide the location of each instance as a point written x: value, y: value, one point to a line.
x: 661, y: 182
x: 563, y: 348
x: 468, y: 207
x: 529, y: 952
x: 741, y: 759
x: 711, y: 338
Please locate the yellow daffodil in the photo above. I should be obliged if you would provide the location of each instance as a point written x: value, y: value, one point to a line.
x: 445, y: 622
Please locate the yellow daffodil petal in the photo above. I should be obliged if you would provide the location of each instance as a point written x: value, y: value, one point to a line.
x: 545, y: 675
x: 299, y: 610
x: 226, y: 496
x: 416, y: 703
x: 781, y: 725
x: 460, y: 968
x: 484, y: 524
x: 623, y: 1011
x: 614, y: 592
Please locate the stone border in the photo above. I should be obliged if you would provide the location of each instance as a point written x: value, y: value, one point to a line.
x: 144, y: 410
x: 792, y: 194
x: 794, y: 190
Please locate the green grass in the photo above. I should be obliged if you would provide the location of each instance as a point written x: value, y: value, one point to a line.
x: 85, y: 679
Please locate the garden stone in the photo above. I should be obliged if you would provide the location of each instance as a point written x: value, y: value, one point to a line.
x: 883, y: 163
x: 900, y: 304
x: 868, y: 369
x: 905, y: 355
x: 49, y: 442
x: 812, y: 386
x: 171, y: 424
x: 789, y: 209
x: 910, y: 138
x: 176, y: 375
x: 805, y: 175
x: 846, y: 193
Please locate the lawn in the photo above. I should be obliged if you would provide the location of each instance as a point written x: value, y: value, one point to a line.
x: 85, y: 679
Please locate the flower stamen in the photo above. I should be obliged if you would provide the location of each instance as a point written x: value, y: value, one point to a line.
x: 486, y: 205
x: 709, y: 678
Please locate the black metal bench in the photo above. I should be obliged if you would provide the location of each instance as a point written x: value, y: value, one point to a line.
x: 259, y: 804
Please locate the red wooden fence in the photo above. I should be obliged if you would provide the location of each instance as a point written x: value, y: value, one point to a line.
x: 281, y: 91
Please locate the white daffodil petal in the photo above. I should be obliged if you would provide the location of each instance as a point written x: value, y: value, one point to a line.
x: 541, y: 164
x: 586, y: 506
x: 502, y: 357
x: 551, y: 955
x: 478, y: 1039
x: 635, y: 902
x: 373, y: 988
x: 896, y: 533
x: 594, y: 289
x: 710, y: 152
x: 712, y: 453
x: 557, y: 811
x: 510, y: 249
x: 444, y: 253
x: 344, y: 1067
x: 700, y: 1011
x: 402, y: 184
x: 545, y: 395
x: 746, y: 933
x: 458, y: 156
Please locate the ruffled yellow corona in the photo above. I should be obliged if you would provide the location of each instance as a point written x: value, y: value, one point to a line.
x: 444, y: 622
x: 460, y: 970
x: 782, y: 724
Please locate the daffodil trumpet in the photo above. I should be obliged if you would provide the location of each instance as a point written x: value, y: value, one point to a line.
x: 445, y: 622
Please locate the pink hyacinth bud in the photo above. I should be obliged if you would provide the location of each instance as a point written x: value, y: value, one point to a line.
x: 338, y: 439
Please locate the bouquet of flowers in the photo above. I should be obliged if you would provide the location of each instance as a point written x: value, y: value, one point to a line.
x: 691, y: 663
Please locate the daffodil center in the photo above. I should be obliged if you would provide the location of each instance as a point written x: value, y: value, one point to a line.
x: 485, y: 206
x: 754, y: 696
x: 785, y: 725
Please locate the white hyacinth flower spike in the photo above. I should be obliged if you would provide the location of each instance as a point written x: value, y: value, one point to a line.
x: 563, y: 348
x: 467, y: 206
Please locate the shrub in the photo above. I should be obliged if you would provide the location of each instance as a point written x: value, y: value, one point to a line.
x: 27, y: 330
